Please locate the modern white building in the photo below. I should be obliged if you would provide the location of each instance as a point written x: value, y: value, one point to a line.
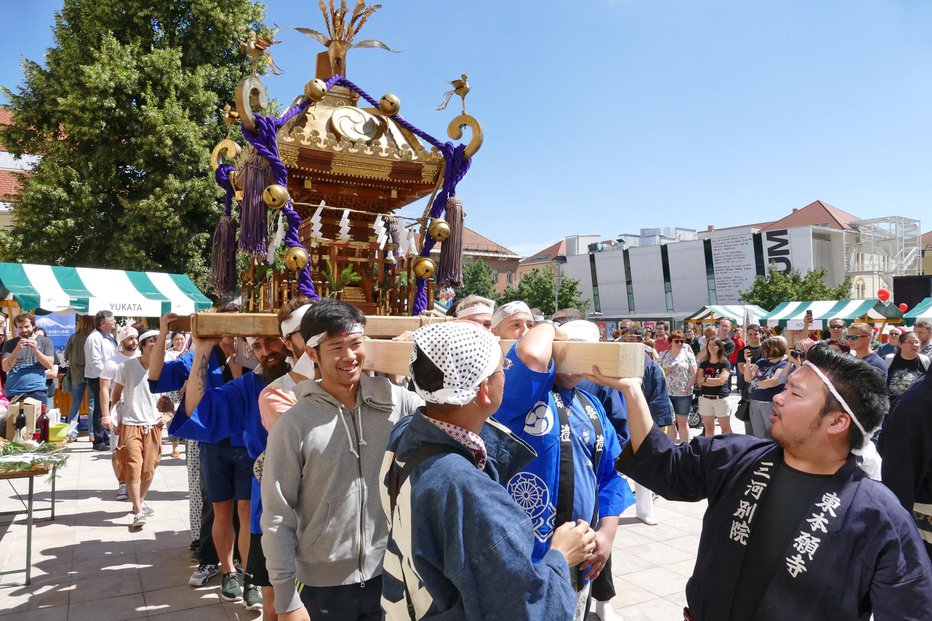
x: 670, y: 274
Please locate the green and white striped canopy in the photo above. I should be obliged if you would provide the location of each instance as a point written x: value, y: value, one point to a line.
x: 735, y: 312
x: 849, y: 310
x: 923, y: 310
x: 86, y: 290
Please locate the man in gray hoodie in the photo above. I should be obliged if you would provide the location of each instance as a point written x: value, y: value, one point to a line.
x: 322, y: 520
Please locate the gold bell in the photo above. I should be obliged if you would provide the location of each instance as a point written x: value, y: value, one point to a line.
x: 296, y: 258
x: 439, y: 230
x: 315, y: 90
x: 389, y: 104
x: 275, y: 196
x: 424, y: 268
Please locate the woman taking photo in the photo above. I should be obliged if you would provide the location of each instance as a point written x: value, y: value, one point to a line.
x: 766, y: 381
x: 679, y: 367
x: 712, y: 378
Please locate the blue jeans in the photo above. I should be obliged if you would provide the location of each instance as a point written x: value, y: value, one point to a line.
x: 77, y: 396
x: 100, y: 435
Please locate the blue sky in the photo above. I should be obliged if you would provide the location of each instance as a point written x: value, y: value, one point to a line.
x: 605, y: 116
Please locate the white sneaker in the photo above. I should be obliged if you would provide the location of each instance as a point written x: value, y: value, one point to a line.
x: 203, y: 574
x: 149, y: 511
x: 121, y: 492
x: 648, y: 519
x: 605, y: 612
x: 138, y: 520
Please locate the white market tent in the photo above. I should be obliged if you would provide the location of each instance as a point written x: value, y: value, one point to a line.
x: 871, y: 310
x: 86, y: 290
x: 922, y: 310
x: 735, y: 312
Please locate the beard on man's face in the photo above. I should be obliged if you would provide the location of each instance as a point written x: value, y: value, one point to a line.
x: 274, y: 366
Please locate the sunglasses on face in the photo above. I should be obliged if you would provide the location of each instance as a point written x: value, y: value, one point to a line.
x: 854, y: 337
x: 836, y: 327
x: 677, y: 341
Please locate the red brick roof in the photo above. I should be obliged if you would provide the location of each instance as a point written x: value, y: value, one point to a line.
x: 926, y: 240
x: 478, y: 243
x: 6, y: 117
x: 9, y: 185
x: 816, y: 213
x: 474, y: 243
x: 550, y: 253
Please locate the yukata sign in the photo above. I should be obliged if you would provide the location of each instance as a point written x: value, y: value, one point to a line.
x: 741, y: 523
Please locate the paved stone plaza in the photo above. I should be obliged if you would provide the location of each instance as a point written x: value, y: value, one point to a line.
x: 87, y: 565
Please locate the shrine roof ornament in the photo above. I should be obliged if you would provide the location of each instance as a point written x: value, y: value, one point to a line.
x: 325, y: 150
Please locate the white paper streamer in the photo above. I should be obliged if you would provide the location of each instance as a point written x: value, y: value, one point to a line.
x: 316, y: 225
x: 344, y: 226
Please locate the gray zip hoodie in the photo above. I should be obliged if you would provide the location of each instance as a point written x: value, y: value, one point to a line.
x: 322, y: 522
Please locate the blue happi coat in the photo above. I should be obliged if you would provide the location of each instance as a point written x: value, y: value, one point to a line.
x: 529, y: 411
x: 856, y: 551
x: 224, y: 410
x: 458, y: 540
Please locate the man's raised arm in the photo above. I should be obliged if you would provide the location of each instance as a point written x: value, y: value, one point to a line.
x: 197, y: 382
x: 536, y: 347
x: 157, y: 357
x: 639, y: 418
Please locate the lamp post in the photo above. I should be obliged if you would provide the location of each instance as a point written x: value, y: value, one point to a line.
x: 557, y: 278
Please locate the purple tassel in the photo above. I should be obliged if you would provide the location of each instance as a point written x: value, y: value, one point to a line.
x: 450, y: 272
x: 223, y: 252
x: 254, y: 219
x: 223, y: 258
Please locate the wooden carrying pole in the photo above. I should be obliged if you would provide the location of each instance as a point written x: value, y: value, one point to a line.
x: 215, y: 325
x: 613, y: 359
x: 393, y: 357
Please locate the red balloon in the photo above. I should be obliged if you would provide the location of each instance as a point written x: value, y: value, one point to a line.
x: 903, y: 307
x: 883, y: 294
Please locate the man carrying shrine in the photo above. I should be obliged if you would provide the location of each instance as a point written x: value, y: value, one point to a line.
x: 794, y: 527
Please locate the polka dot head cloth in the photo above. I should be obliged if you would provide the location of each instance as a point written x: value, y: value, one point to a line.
x: 461, y: 355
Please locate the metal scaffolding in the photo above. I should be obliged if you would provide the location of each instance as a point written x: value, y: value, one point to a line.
x: 878, y: 249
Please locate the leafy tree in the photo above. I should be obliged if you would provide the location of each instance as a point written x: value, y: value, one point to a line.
x: 768, y: 291
x: 536, y: 288
x: 477, y: 280
x: 125, y: 113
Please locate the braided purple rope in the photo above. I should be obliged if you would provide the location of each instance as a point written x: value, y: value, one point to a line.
x: 265, y: 141
x: 456, y: 166
x: 222, y: 177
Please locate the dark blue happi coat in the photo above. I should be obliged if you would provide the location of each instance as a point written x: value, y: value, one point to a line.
x: 856, y: 551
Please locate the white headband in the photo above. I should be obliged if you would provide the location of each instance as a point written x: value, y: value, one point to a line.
x: 293, y: 322
x: 831, y: 388
x: 126, y: 332
x: 581, y: 330
x: 148, y: 334
x: 316, y: 340
x: 478, y: 309
x: 507, y: 310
